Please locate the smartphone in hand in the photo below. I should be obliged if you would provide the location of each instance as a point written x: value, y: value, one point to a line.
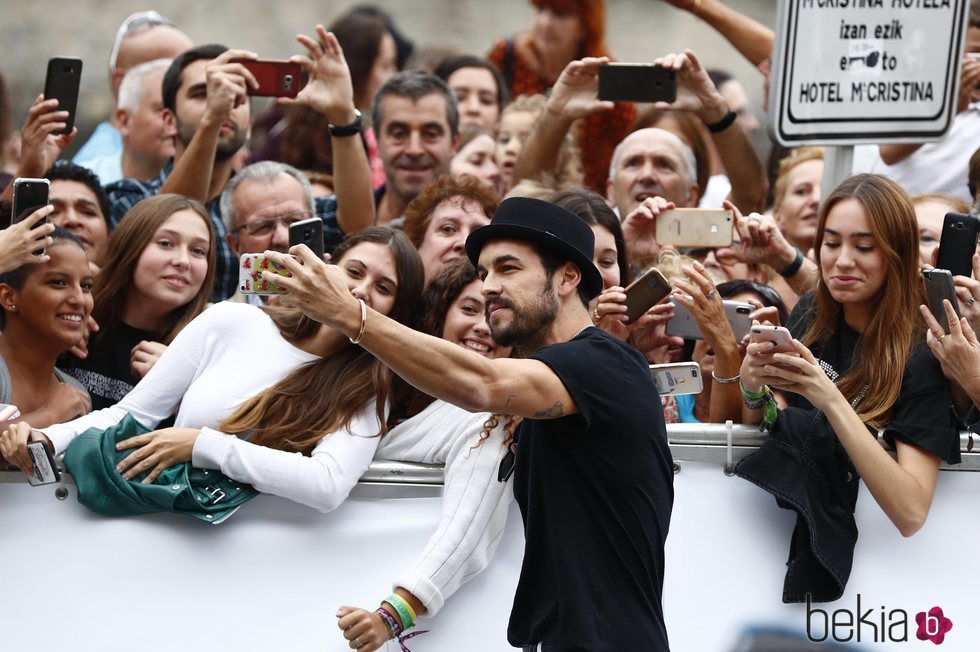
x: 637, y: 82
x: 958, y: 243
x: 677, y: 378
x: 308, y: 232
x: 645, y: 292
x: 276, y: 78
x: 695, y: 227
x: 683, y: 324
x: 778, y: 335
x: 939, y: 286
x: 62, y: 82
x: 250, y: 279
x: 29, y: 195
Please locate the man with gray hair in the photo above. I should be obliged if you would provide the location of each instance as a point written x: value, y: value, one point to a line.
x: 258, y: 204
x: 416, y: 121
x: 143, y: 36
x: 147, y: 140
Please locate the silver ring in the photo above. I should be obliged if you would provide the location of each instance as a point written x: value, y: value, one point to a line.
x: 755, y: 217
x: 971, y: 301
x: 357, y: 643
x: 710, y: 294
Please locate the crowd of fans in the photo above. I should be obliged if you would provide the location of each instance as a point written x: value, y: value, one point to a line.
x: 134, y: 306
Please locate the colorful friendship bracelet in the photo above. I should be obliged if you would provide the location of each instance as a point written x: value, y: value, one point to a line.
x: 403, y: 609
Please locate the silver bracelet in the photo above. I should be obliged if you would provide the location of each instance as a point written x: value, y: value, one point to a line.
x: 725, y: 381
x: 360, y: 334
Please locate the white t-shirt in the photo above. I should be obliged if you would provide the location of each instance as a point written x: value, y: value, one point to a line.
x: 226, y: 355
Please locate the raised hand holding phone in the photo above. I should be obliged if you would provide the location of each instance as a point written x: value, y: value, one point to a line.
x: 329, y: 89
x: 20, y: 242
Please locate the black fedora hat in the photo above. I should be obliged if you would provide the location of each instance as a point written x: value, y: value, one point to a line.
x: 548, y: 226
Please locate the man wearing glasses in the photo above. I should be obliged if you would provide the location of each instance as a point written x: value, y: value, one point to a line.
x: 258, y: 205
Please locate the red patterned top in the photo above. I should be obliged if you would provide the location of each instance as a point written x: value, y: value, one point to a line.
x: 598, y: 134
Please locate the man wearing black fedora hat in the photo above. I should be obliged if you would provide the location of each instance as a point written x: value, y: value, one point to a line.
x: 593, y: 471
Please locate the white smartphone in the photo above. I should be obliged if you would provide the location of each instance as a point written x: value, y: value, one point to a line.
x: 683, y: 324
x: 695, y: 227
x: 677, y: 378
x: 778, y: 335
x: 8, y: 412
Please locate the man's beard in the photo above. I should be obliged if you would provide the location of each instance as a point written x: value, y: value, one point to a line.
x: 529, y: 324
x: 227, y: 145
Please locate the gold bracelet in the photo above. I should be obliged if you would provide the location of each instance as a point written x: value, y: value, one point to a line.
x: 360, y: 333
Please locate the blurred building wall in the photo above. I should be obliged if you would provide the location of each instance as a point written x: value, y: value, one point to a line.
x: 638, y: 30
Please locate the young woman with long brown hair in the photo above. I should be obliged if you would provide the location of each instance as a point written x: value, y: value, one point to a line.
x: 312, y: 390
x: 860, y: 358
x: 155, y: 279
x: 471, y: 446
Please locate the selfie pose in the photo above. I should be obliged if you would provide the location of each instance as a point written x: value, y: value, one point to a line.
x: 591, y: 466
x: 156, y: 278
x: 858, y: 364
x: 273, y: 355
x: 45, y: 308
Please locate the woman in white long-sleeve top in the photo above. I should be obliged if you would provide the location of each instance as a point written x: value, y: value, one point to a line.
x: 266, y: 395
x: 472, y: 446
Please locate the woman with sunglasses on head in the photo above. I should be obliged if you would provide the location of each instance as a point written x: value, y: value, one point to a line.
x: 473, y: 448
x: 312, y: 390
x: 859, y: 358
x: 156, y: 278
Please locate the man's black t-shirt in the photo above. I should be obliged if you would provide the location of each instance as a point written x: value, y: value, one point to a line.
x: 596, y: 491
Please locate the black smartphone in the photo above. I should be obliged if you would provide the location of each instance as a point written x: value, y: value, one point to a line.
x: 939, y: 286
x: 29, y: 195
x: 637, y: 82
x: 64, y: 76
x: 308, y: 232
x: 958, y: 243
x: 644, y: 293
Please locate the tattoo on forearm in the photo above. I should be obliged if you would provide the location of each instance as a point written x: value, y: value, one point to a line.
x: 553, y: 412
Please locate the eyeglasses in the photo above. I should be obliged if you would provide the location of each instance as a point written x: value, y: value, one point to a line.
x: 137, y: 22
x: 265, y: 226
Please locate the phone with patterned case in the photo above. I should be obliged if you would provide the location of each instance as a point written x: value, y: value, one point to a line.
x: 250, y: 279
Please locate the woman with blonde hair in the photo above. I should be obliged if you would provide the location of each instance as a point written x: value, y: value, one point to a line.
x: 156, y: 278
x: 796, y: 196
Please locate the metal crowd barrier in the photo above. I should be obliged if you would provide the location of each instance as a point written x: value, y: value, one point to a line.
x: 689, y: 442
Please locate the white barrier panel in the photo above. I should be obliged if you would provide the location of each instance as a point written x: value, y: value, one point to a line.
x: 272, y: 577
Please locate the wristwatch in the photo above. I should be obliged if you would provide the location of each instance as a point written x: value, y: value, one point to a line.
x: 346, y: 130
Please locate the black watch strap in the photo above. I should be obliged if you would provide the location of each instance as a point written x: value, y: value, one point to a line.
x: 346, y: 130
x: 723, y: 124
